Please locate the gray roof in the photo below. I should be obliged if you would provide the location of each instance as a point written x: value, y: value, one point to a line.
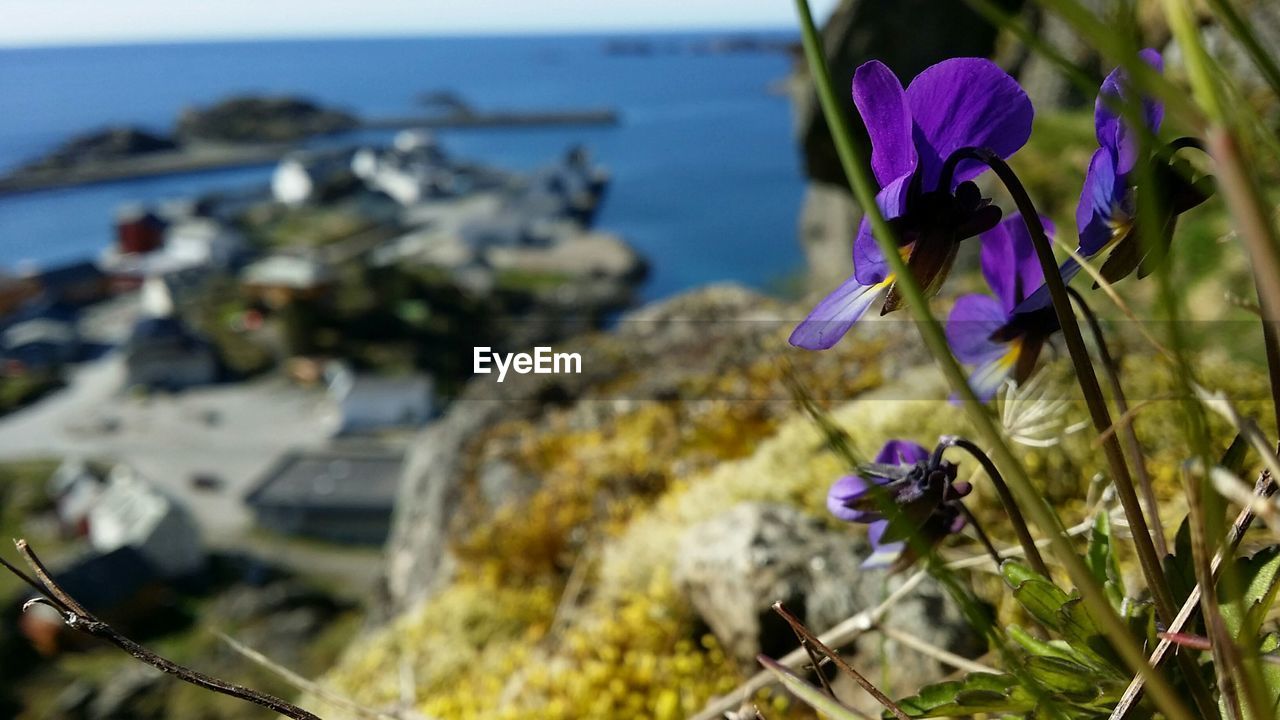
x: 331, y: 479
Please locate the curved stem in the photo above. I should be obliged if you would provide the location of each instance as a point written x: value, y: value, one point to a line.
x: 1152, y: 569
x: 982, y: 534
x: 1088, y: 379
x: 1184, y: 142
x: 1020, y: 528
x: 1112, y: 370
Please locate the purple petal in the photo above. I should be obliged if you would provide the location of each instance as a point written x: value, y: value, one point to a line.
x: 883, y: 106
x: 882, y: 555
x: 1102, y: 194
x: 1111, y: 130
x: 869, y: 265
x: 966, y: 102
x: 969, y: 327
x: 901, y: 452
x: 845, y: 491
x: 989, y: 375
x: 837, y: 312
x: 1040, y: 298
x: 1009, y: 261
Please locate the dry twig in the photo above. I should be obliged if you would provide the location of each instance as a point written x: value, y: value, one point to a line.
x: 78, y: 618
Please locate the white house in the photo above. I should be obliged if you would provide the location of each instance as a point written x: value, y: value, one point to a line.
x: 131, y: 512
x: 362, y: 403
x: 412, y: 170
x: 75, y: 488
x: 203, y: 242
x: 301, y: 176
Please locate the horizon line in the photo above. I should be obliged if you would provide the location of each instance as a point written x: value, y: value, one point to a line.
x: 389, y: 34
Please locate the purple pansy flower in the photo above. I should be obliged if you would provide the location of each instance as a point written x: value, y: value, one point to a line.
x: 993, y: 333
x: 1108, y: 201
x: 958, y: 103
x: 923, y: 489
x: 1106, y: 210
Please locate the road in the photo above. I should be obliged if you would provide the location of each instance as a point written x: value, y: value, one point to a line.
x: 233, y: 432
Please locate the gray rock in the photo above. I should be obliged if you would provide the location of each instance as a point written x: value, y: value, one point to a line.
x: 733, y: 567
x: 104, y: 146
x: 1045, y: 83
x: 261, y: 119
x: 828, y: 223
x: 906, y: 35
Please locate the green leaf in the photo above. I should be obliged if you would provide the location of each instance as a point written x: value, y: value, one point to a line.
x: 1043, y: 648
x: 1101, y: 559
x: 1064, y: 677
x: 1257, y: 580
x: 975, y: 693
x: 1035, y: 594
x: 808, y: 694
x: 1179, y: 568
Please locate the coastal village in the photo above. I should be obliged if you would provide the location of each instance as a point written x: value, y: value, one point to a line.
x: 252, y: 364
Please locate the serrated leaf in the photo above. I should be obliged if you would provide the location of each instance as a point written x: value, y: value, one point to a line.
x: 1063, y: 677
x: 1035, y: 594
x: 1080, y: 631
x: 1042, y: 648
x: 809, y: 694
x: 975, y: 693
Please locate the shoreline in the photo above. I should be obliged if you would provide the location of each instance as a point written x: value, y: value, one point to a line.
x: 207, y: 157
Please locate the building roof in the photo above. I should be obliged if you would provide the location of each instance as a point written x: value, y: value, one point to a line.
x: 107, y: 581
x: 77, y: 272
x: 151, y: 329
x: 366, y: 479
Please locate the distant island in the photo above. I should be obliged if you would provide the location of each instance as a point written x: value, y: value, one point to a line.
x: 249, y: 130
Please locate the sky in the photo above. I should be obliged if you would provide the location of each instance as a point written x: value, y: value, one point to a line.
x: 56, y: 22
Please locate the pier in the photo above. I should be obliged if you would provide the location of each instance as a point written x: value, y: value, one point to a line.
x: 206, y: 157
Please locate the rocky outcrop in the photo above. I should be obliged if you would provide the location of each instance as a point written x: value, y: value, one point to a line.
x: 658, y: 347
x: 102, y: 146
x: 733, y: 567
x: 261, y: 120
x: 908, y: 36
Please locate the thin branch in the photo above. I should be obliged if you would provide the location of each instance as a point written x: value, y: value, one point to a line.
x: 303, y: 684
x: 811, y: 639
x: 854, y: 627
x: 842, y: 634
x: 78, y: 618
x: 925, y: 648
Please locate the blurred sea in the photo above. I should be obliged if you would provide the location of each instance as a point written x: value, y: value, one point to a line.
x: 706, y: 174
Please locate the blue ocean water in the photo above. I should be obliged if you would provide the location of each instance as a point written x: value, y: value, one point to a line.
x: 706, y: 173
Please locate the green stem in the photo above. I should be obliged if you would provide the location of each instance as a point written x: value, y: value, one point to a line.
x: 1006, y: 499
x: 1085, y: 375
x: 931, y: 332
x: 1112, y: 370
